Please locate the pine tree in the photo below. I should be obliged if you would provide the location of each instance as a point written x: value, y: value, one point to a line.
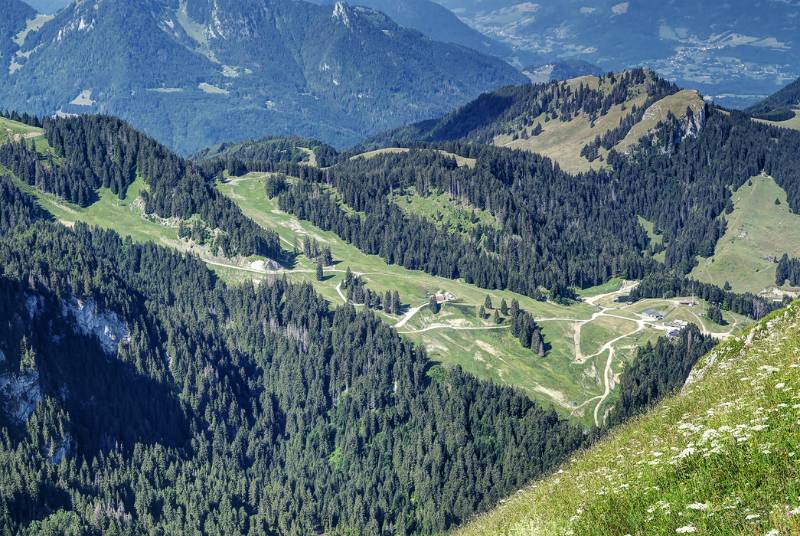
x: 504, y: 307
x: 488, y: 302
x: 320, y: 271
x: 482, y: 312
x: 396, y: 305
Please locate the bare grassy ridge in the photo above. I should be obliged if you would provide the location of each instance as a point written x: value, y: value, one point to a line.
x: 720, y: 458
x: 563, y: 140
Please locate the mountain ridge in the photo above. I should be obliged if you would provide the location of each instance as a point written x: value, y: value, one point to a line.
x: 263, y: 62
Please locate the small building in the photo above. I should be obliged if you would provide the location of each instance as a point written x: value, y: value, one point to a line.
x: 688, y: 303
x: 652, y: 314
x: 442, y: 297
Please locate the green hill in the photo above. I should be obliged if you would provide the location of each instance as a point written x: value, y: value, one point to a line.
x: 760, y: 229
x: 720, y: 457
x: 576, y: 122
x: 779, y: 107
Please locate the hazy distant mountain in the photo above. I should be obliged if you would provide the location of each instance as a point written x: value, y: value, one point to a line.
x: 560, y: 70
x: 198, y: 72
x: 737, y: 51
x: 12, y: 21
x: 436, y: 22
x: 48, y: 6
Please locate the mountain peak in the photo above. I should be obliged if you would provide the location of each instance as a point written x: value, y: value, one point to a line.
x: 340, y: 13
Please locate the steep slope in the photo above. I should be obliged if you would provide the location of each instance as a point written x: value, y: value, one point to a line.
x: 725, y: 54
x: 230, y: 410
x: 206, y: 72
x: 720, y: 457
x: 15, y: 16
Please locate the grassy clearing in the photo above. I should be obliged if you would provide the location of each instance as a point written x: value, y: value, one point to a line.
x: 793, y: 123
x: 718, y: 458
x: 110, y: 212
x: 612, y: 285
x: 444, y: 211
x: 14, y: 131
x: 758, y: 232
x: 599, y: 331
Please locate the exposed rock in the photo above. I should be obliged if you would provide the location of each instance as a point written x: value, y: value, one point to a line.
x: 20, y: 394
x: 106, y: 327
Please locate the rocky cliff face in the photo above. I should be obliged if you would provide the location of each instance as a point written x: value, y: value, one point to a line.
x: 105, y: 326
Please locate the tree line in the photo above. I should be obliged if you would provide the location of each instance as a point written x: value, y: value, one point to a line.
x: 92, y: 152
x: 658, y: 371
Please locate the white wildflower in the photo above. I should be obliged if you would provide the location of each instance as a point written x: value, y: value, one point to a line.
x: 686, y: 529
x: 698, y: 506
x: 751, y: 517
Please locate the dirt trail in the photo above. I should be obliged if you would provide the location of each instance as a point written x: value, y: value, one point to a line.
x: 454, y: 328
x: 409, y: 315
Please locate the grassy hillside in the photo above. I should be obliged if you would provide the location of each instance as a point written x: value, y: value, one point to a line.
x: 718, y: 458
x: 589, y: 343
x: 759, y: 231
x: 563, y: 140
x: 559, y: 119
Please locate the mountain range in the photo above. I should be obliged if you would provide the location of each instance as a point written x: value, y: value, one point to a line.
x: 205, y: 72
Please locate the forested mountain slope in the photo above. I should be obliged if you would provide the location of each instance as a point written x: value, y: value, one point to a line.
x: 85, y: 154
x: 206, y: 72
x: 547, y: 349
x: 779, y: 106
x: 139, y: 393
x: 535, y: 200
x: 719, y: 457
